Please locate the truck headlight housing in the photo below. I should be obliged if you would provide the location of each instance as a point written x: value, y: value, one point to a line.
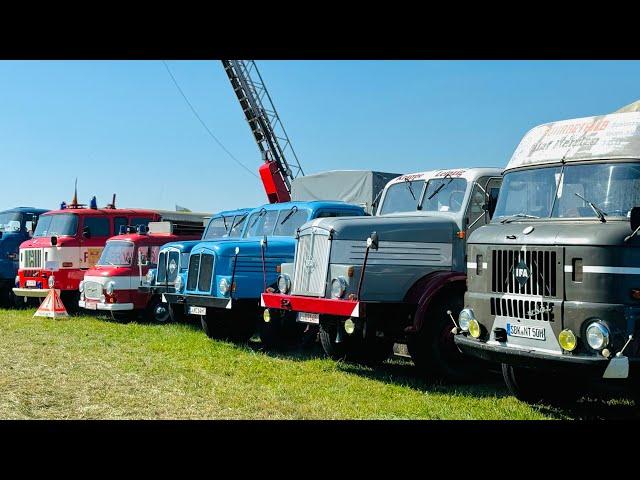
x: 224, y: 286
x: 474, y: 328
x: 466, y: 315
x: 81, y: 286
x: 178, y: 283
x: 597, y: 335
x: 151, y: 274
x: 110, y: 288
x: 284, y: 283
x: 567, y: 340
x: 338, y: 287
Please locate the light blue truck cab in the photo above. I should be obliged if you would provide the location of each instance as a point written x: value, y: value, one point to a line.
x: 16, y: 226
x: 225, y: 278
x: 173, y: 259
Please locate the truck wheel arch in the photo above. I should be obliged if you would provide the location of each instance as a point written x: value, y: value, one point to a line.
x: 430, y: 288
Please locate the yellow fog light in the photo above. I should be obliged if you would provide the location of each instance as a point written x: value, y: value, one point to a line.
x: 474, y: 328
x: 266, y: 315
x: 567, y: 340
x: 349, y: 326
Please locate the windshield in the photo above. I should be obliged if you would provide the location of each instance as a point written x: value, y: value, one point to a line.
x: 612, y: 188
x: 402, y: 197
x: 289, y: 221
x: 117, y: 253
x: 64, y: 224
x: 225, y: 226
x: 447, y: 195
x: 7, y: 217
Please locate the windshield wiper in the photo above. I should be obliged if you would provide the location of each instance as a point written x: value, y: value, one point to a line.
x: 262, y: 212
x: 408, y: 182
x: 511, y: 218
x: 224, y: 221
x: 598, y: 211
x: 240, y: 220
x: 293, y: 210
x: 442, y: 185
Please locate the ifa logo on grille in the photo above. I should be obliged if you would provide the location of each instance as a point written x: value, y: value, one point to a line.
x: 522, y: 273
x: 309, y: 264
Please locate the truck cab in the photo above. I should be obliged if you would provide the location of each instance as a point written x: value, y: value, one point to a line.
x: 112, y: 284
x: 553, y: 279
x: 170, y: 275
x: 374, y: 281
x: 224, y: 278
x: 16, y: 226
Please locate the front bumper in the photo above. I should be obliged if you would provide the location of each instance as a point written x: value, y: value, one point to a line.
x: 109, y: 307
x: 584, y: 366
x: 31, y: 292
x: 199, y: 300
x: 323, y: 306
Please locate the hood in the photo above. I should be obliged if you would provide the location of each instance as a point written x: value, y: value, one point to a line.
x: 552, y: 232
x: 248, y: 247
x: 391, y: 228
x: 111, y: 271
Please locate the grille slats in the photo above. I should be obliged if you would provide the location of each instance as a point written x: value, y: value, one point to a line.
x: 162, y: 268
x: 311, y: 265
x: 194, y: 270
x: 32, y: 258
x: 206, y: 269
x: 541, y: 267
x: 523, y: 309
x: 92, y: 290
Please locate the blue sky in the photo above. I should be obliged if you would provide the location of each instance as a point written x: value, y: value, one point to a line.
x: 121, y: 126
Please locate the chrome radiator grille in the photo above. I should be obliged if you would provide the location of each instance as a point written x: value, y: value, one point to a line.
x: 540, y: 272
x: 311, y: 265
x: 200, y: 272
x: 32, y: 258
x: 92, y: 290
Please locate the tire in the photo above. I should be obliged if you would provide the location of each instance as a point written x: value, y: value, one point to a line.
x: 177, y: 312
x: 433, y: 350
x: 282, y: 332
x: 122, y: 316
x: 370, y: 350
x: 213, y: 326
x: 328, y: 334
x: 535, y: 386
x: 158, y: 311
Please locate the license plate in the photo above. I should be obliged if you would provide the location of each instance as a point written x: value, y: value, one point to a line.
x: 197, y: 310
x: 91, y: 306
x: 31, y: 283
x: 304, y: 317
x: 535, y: 333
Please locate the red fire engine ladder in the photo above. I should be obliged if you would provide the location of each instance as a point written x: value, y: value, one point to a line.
x: 272, y: 139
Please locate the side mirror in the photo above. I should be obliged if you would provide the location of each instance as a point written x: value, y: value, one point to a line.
x: 54, y: 240
x: 13, y: 226
x: 372, y: 241
x: 634, y: 218
x: 86, y: 232
x: 237, y: 250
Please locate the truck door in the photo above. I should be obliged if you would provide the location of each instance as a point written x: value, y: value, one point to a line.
x: 482, y: 203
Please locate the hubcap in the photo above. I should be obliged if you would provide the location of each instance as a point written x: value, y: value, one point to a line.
x: 161, y: 313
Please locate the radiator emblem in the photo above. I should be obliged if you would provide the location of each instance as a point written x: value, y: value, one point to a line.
x: 522, y: 273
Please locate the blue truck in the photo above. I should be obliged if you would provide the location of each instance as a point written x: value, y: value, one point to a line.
x: 173, y: 258
x: 16, y: 226
x: 224, y: 279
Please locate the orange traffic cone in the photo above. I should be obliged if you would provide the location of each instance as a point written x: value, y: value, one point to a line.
x: 52, y: 306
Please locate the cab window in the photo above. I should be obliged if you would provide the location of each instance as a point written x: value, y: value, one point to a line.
x: 135, y: 221
x: 97, y: 226
x: 261, y: 223
x: 289, y: 221
x: 117, y: 223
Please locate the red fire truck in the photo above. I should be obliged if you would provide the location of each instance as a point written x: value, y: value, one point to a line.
x: 112, y: 284
x: 69, y: 241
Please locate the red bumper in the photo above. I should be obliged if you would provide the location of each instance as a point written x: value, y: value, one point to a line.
x: 323, y: 306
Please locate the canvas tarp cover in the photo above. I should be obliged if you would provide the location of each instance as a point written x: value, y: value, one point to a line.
x: 613, y: 136
x: 358, y: 187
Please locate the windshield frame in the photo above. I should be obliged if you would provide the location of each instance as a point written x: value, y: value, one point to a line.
x: 560, y: 184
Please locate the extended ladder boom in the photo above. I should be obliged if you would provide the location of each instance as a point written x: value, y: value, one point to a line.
x: 272, y: 139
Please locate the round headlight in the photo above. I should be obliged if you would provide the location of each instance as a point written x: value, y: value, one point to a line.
x: 178, y: 283
x: 173, y: 266
x: 474, y: 328
x: 51, y: 281
x: 150, y: 277
x: 349, y: 326
x: 567, y: 340
x: 266, y: 315
x: 110, y: 288
x: 338, y: 287
x: 224, y: 286
x: 81, y: 286
x: 466, y: 315
x: 597, y: 336
x: 284, y: 283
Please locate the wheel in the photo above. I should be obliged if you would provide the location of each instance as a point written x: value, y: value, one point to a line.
x: 533, y: 386
x: 70, y: 300
x: 212, y: 325
x: 433, y: 350
x: 176, y: 312
x: 328, y: 336
x: 158, y: 311
x: 282, y: 332
x: 369, y: 350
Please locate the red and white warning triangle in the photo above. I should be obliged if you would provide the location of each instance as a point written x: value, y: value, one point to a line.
x: 52, y: 306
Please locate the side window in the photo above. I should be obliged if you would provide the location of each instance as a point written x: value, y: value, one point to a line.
x: 135, y: 221
x: 327, y: 213
x: 481, y: 201
x: 97, y: 226
x: 117, y: 223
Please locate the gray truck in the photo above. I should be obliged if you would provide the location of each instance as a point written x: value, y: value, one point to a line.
x: 554, y: 279
x: 370, y: 282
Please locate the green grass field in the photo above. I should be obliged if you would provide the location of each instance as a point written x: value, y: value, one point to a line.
x: 93, y: 368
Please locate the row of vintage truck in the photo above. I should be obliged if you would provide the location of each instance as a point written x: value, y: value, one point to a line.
x: 534, y: 267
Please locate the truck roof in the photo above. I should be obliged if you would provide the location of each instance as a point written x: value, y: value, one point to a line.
x: 105, y: 211
x: 157, y: 238
x: 38, y: 211
x: 313, y: 205
x: 615, y: 136
x: 468, y: 174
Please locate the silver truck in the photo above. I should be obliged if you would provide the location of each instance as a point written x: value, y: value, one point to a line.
x: 370, y: 282
x: 554, y: 280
